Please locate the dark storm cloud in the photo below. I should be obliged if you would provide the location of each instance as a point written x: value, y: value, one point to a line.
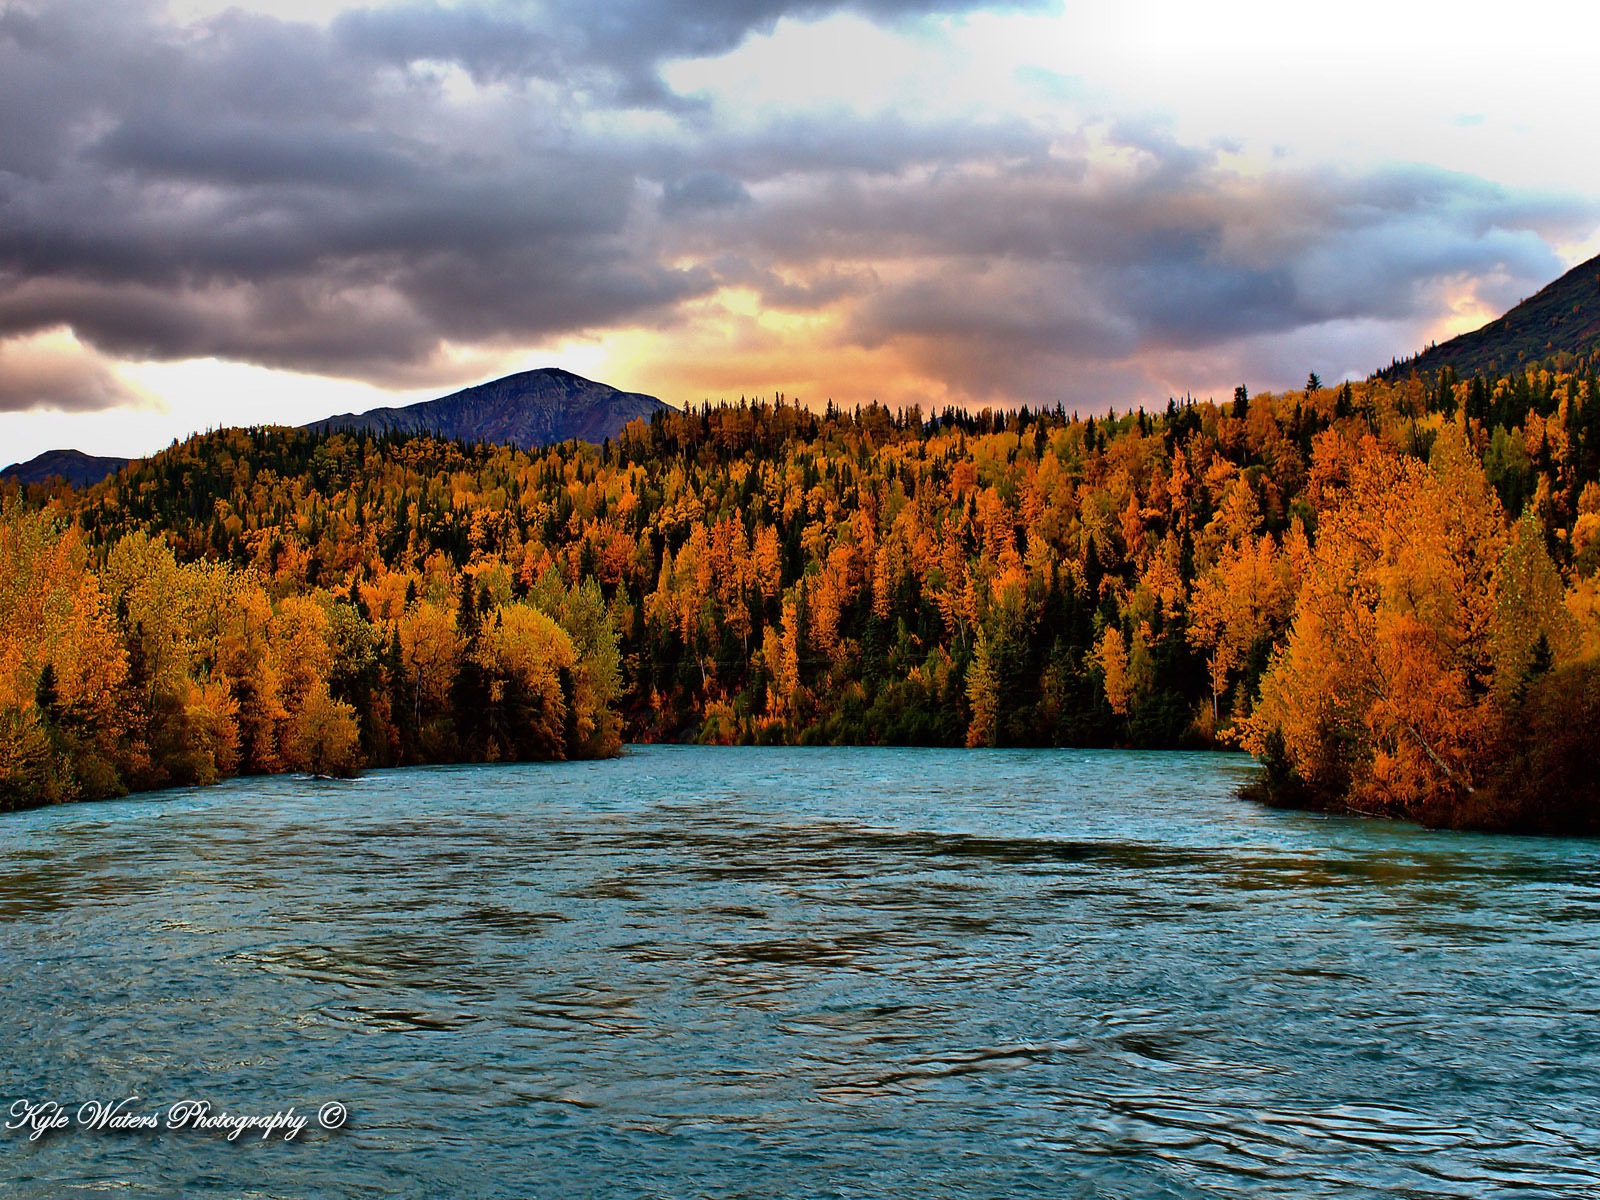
x: 329, y: 199
x: 307, y: 198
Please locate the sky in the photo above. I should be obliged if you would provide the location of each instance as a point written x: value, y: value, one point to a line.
x: 225, y: 214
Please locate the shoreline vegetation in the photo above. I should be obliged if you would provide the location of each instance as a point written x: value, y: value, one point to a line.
x: 1388, y: 592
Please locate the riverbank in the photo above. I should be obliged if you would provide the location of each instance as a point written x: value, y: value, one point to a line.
x: 1537, y: 772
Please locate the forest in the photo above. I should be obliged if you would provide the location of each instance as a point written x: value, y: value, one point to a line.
x: 1388, y: 592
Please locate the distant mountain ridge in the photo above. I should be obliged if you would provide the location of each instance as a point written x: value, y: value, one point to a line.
x: 527, y: 410
x: 76, y: 467
x: 1561, y: 319
x: 533, y: 409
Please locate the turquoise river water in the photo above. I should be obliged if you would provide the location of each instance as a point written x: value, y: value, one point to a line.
x: 793, y: 973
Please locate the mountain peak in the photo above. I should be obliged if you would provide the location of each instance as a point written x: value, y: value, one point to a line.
x: 76, y: 467
x: 528, y: 410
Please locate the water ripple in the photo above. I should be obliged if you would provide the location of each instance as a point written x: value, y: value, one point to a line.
x: 843, y: 973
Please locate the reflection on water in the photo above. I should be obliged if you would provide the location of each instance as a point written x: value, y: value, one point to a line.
x: 852, y: 973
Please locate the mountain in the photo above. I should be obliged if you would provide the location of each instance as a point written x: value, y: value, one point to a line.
x: 526, y: 410
x: 77, y: 468
x: 1564, y: 318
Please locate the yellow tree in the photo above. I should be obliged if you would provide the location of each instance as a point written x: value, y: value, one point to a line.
x: 983, y: 687
x: 1379, y: 699
x: 1243, y: 602
x: 245, y: 658
x: 783, y: 654
x: 1111, y: 655
x: 323, y: 737
x: 1530, y: 617
x: 150, y: 591
x: 524, y: 653
x: 62, y: 667
x: 430, y: 649
x: 298, y: 636
x: 211, y: 718
x: 595, y: 674
x: 768, y: 561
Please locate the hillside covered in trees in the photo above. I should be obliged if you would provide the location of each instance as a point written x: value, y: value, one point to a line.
x: 1386, y: 591
x: 1558, y: 327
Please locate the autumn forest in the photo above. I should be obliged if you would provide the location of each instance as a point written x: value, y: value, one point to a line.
x: 1388, y: 592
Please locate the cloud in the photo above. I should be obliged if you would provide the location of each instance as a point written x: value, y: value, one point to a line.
x: 319, y: 199
x: 368, y: 197
x: 703, y: 191
x: 614, y: 48
x: 50, y: 371
x: 1021, y: 283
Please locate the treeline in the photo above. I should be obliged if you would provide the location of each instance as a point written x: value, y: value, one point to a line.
x: 123, y: 669
x: 774, y: 574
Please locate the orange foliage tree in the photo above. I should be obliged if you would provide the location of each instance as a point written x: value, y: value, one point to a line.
x: 1384, y: 696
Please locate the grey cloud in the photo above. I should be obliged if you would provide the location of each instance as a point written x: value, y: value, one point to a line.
x: 1021, y: 310
x: 490, y: 44
x: 635, y: 36
x: 252, y: 154
x: 298, y: 197
x: 33, y: 376
x: 1026, y: 281
x: 1187, y: 253
x: 819, y: 289
x: 703, y: 191
x: 877, y: 145
x: 803, y: 290
x: 316, y: 199
x: 283, y: 323
x: 382, y: 330
x: 615, y: 46
x: 198, y: 218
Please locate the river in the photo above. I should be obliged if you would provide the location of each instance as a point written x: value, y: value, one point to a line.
x: 796, y: 973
